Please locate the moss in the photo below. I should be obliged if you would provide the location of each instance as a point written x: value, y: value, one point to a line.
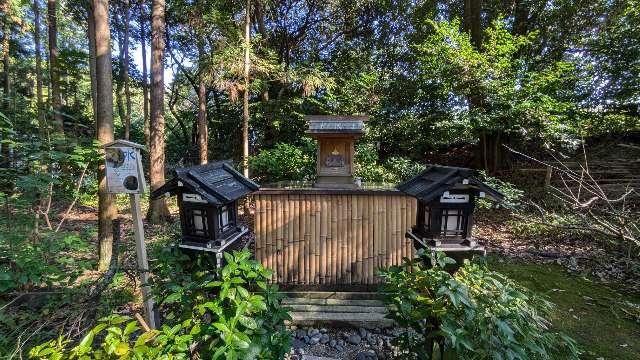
x: 589, y: 311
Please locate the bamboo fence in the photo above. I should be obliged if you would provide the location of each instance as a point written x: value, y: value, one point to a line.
x: 332, y: 237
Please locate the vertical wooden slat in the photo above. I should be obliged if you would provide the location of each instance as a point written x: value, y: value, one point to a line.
x: 279, y: 236
x: 398, y: 238
x: 257, y: 228
x: 357, y: 223
x: 291, y: 269
x: 339, y: 236
x: 300, y: 239
x: 412, y: 216
x: 296, y: 238
x: 405, y: 227
x: 318, y: 207
x: 345, y: 240
x: 391, y: 241
x: 376, y: 236
x: 307, y: 236
x: 284, y: 223
x: 323, y: 240
x: 334, y: 239
x: 314, y: 242
x: 370, y: 243
x: 270, y: 235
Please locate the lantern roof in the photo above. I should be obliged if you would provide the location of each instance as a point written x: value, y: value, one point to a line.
x: 217, y: 182
x: 436, y: 179
x: 126, y: 143
x: 335, y: 125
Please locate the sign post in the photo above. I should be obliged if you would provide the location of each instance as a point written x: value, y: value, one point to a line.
x: 125, y: 175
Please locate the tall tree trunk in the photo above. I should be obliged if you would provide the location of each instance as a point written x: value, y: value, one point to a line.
x: 245, y: 100
x: 125, y: 71
x: 54, y: 74
x: 5, y: 155
x: 145, y: 75
x: 104, y: 127
x: 203, y: 131
x: 118, y: 25
x: 472, y: 21
x: 158, y: 211
x: 91, y: 33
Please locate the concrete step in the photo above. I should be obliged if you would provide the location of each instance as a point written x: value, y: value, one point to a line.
x: 312, y: 301
x: 339, y: 295
x: 337, y: 308
x: 336, y: 319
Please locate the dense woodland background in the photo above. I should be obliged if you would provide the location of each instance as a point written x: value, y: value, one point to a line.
x: 450, y: 82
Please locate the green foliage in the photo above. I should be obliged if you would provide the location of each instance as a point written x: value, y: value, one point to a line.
x: 214, y: 313
x: 506, y: 95
x: 393, y: 171
x: 30, y: 262
x: 475, y: 313
x: 284, y: 162
x: 512, y: 195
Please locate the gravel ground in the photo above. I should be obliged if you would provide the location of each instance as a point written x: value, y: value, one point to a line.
x: 342, y: 343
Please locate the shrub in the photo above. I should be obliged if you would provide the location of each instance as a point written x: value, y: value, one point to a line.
x: 512, y: 195
x: 212, y: 313
x: 284, y: 162
x: 474, y: 314
x: 393, y: 171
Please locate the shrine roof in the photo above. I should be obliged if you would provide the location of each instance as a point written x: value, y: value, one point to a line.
x: 334, y: 124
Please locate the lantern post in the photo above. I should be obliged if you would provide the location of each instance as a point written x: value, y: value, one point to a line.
x: 125, y: 175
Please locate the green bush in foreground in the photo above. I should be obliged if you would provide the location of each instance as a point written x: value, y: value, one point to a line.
x: 213, y: 317
x: 474, y: 314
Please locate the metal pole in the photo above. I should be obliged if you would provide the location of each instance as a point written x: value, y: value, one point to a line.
x: 143, y: 264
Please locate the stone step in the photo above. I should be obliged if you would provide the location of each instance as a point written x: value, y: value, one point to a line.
x: 337, y: 308
x: 340, y: 295
x: 366, y: 320
x: 314, y: 301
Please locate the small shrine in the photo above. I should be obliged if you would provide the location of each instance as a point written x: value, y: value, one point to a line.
x: 446, y: 198
x: 207, y: 201
x: 336, y: 136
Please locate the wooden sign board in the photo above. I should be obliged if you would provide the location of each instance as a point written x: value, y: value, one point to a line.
x: 124, y: 168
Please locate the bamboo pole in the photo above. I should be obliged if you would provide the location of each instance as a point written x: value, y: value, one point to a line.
x: 307, y: 238
x: 312, y: 240
x: 367, y: 238
x: 296, y: 237
x: 349, y: 238
x: 318, y: 244
x: 334, y: 240
x: 301, y: 239
x: 285, y: 238
x: 357, y: 221
x: 403, y: 228
x: 398, y: 238
x: 391, y: 241
x: 269, y: 234
x: 412, y: 216
x: 279, y: 235
x: 259, y: 228
x: 323, y: 239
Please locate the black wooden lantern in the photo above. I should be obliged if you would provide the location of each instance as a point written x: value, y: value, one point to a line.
x: 446, y: 200
x: 207, y: 201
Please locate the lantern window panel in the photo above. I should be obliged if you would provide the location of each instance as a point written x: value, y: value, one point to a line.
x: 427, y: 218
x: 197, y: 224
x: 225, y: 218
x: 453, y: 222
